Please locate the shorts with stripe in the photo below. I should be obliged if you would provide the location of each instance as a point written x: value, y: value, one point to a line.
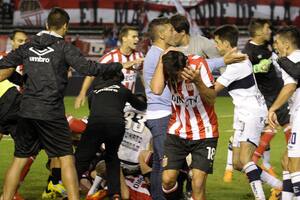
x: 177, y: 149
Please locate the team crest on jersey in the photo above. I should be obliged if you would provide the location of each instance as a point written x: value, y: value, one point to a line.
x: 164, y: 161
x: 189, y: 87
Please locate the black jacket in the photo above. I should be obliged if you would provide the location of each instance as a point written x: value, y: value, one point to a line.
x: 46, y: 59
x: 108, y: 102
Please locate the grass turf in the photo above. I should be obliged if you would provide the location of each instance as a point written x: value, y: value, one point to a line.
x: 239, y: 189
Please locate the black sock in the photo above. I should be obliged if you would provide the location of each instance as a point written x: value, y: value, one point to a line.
x: 56, y: 174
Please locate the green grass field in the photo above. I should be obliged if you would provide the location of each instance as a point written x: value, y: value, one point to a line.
x: 216, y: 188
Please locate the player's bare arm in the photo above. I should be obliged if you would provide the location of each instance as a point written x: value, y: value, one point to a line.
x: 5, y: 73
x: 218, y: 87
x: 80, y: 99
x: 285, y: 93
x: 208, y: 94
x: 131, y: 64
x: 157, y: 83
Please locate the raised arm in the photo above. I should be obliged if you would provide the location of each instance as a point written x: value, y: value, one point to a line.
x: 75, y: 59
x: 208, y: 94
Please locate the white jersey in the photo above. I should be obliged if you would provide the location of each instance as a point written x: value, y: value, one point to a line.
x: 136, y: 138
x: 240, y: 82
x: 287, y: 79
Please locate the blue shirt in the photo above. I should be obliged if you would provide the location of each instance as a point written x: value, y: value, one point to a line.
x: 155, y: 102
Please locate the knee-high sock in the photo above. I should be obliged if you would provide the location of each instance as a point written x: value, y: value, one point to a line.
x: 172, y: 193
x: 253, y: 175
x: 265, y: 139
x: 269, y: 179
x: 95, y: 185
x: 266, y: 158
x: 287, y: 188
x: 296, y: 184
x: 229, y: 156
x: 26, y: 168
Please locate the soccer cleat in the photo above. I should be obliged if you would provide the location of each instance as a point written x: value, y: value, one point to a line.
x: 227, y: 178
x: 18, y: 197
x: 270, y: 170
x: 275, y: 194
x: 58, y: 188
x: 98, y: 195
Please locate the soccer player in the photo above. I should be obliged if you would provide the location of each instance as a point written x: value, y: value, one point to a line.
x: 42, y: 122
x: 286, y: 43
x: 106, y: 124
x: 193, y: 126
x: 249, y: 112
x: 125, y: 54
x: 200, y: 45
x: 269, y: 83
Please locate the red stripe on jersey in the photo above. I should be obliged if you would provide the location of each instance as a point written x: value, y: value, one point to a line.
x: 178, y: 111
x: 212, y: 116
x: 188, y: 126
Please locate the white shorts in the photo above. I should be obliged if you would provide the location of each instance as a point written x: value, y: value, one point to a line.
x: 294, y: 141
x: 247, y: 128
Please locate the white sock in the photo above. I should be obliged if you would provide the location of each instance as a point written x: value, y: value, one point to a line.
x: 286, y: 194
x: 254, y: 178
x: 271, y: 180
x: 266, y: 159
x: 95, y: 185
x: 295, y: 177
x: 229, y: 160
x: 229, y: 155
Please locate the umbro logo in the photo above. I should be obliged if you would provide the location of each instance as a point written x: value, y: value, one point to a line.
x: 40, y: 52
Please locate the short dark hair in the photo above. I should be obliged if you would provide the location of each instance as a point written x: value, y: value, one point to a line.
x: 290, y: 33
x: 173, y: 63
x: 57, y: 18
x: 180, y: 23
x: 15, y: 31
x: 124, y: 31
x: 256, y: 24
x: 229, y: 33
x: 152, y: 30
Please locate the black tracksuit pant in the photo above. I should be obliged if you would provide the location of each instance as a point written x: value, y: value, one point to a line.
x: 100, y: 131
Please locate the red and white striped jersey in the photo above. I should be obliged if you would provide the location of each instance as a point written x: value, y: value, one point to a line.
x: 129, y: 75
x: 192, y: 118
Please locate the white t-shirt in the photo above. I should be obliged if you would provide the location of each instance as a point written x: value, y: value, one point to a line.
x: 242, y: 87
x: 287, y: 79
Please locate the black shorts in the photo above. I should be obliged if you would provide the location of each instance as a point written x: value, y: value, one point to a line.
x: 32, y: 135
x: 282, y: 113
x: 177, y: 149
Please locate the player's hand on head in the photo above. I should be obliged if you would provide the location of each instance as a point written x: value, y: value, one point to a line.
x: 190, y: 74
x: 79, y: 101
x: 272, y: 119
x: 233, y: 56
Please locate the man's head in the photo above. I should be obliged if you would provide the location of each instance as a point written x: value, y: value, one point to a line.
x: 260, y: 28
x: 129, y: 36
x: 287, y: 40
x: 226, y: 38
x: 161, y: 30
x: 181, y: 26
x: 18, y: 38
x: 58, y: 21
x: 173, y: 64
